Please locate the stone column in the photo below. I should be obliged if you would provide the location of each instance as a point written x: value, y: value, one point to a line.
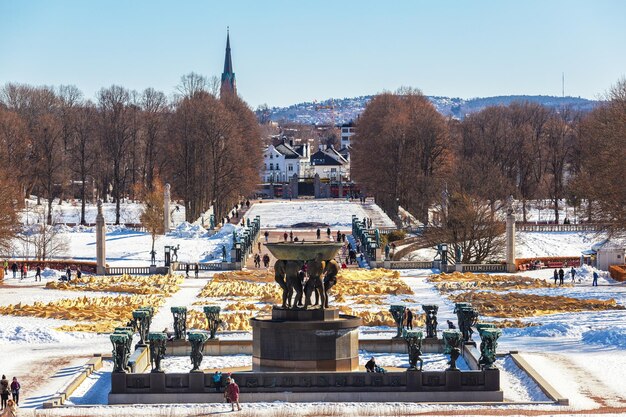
x: 166, y: 208
x: 510, y: 243
x: 100, y: 241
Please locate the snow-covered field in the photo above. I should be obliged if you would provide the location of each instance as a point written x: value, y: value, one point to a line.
x: 334, y: 213
x: 581, y: 354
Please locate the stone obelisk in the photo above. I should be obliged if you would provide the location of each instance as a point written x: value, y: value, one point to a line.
x: 166, y: 208
x: 510, y: 243
x: 100, y: 241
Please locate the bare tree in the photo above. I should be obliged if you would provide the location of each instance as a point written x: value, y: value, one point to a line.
x: 48, y: 241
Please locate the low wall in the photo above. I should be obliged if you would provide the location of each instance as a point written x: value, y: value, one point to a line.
x: 139, y: 360
x: 219, y: 347
x: 58, y: 399
x: 405, y: 264
x: 214, y: 347
x: 434, y: 386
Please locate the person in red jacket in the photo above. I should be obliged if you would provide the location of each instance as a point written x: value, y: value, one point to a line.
x: 232, y: 393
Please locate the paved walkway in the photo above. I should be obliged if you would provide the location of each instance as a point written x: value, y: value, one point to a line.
x: 185, y: 297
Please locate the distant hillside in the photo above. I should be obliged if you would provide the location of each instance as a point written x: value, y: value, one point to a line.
x: 347, y: 109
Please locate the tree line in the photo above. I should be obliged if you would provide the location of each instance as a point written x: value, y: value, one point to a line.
x: 56, y: 143
x: 406, y: 153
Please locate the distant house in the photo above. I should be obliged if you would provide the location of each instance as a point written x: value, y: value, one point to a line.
x: 603, y: 254
x: 284, y: 160
x: 329, y: 164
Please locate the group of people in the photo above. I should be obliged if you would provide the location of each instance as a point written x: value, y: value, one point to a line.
x: 196, y: 269
x: 9, y: 406
x: 559, y: 275
x: 258, y: 259
x: 68, y: 274
x: 231, y: 392
x: 23, y: 270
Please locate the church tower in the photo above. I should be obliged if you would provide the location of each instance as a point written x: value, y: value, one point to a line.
x: 228, y: 76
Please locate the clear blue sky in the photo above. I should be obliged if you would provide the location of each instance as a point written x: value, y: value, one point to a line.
x: 290, y: 51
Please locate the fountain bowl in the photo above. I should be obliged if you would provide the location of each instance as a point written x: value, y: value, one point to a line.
x: 303, y: 251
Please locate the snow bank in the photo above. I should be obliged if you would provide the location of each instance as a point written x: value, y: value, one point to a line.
x: 545, y: 330
x: 186, y: 230
x: 606, y: 337
x: 516, y: 384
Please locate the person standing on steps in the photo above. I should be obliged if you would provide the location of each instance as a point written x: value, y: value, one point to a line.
x: 409, y: 319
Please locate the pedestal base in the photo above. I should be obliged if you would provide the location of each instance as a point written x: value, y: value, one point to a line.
x: 305, y: 340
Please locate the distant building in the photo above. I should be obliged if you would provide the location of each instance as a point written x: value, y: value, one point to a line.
x: 284, y: 160
x: 228, y: 86
x: 347, y: 131
x: 329, y: 164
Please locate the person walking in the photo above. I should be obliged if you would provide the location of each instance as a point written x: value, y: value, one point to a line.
x: 267, y: 236
x: 573, y: 274
x: 328, y: 232
x: 409, y: 319
x: 4, y: 392
x: 6, y: 267
x: 69, y: 274
x: 595, y: 279
x: 266, y: 261
x: 14, y: 268
x: 15, y: 391
x: 232, y: 393
x: 196, y: 269
x: 318, y: 233
x: 556, y: 276
x: 291, y: 235
x: 258, y: 245
x: 285, y: 236
x: 38, y: 274
x: 187, y: 270
x: 24, y: 270
x: 561, y: 275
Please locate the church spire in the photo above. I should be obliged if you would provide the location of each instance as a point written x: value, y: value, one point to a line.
x: 228, y: 76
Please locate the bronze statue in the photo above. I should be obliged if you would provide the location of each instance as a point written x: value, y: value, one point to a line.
x: 330, y: 277
x: 431, y: 320
x: 142, y: 325
x: 315, y: 268
x: 197, y: 340
x: 157, y: 350
x: 397, y: 312
x: 120, y: 353
x: 286, y: 274
x: 488, y: 345
x: 467, y: 317
x: 180, y: 322
x: 453, y: 340
x: 414, y: 346
x: 213, y: 318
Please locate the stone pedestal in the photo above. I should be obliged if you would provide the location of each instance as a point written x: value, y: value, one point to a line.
x: 305, y: 340
x: 510, y: 244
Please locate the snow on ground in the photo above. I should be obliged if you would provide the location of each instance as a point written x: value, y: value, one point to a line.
x: 334, y: 213
x: 69, y: 212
